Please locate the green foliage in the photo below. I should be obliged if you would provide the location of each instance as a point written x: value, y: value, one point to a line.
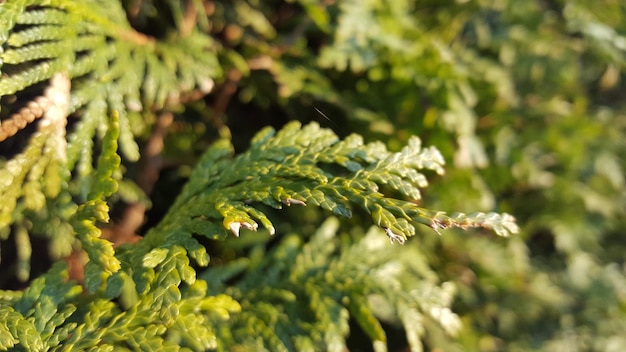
x: 532, y: 93
x: 295, y: 166
x: 102, y: 260
x: 54, y: 313
x: 526, y: 99
x: 300, y: 296
x: 147, y: 296
x: 166, y: 307
x: 112, y: 68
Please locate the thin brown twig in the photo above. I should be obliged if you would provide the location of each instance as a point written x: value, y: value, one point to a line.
x: 228, y: 89
x: 189, y: 20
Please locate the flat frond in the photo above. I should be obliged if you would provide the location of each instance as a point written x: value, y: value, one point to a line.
x: 323, y: 284
x: 95, y: 210
x: 88, y: 46
x: 309, y: 165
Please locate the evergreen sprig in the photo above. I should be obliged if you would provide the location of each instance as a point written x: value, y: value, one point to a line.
x: 38, y: 172
x: 174, y: 309
x: 310, y: 165
x: 102, y: 261
x: 111, y: 68
x: 301, y: 296
x: 53, y: 313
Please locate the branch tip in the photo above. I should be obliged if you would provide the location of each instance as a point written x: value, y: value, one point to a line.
x: 234, y: 228
x: 394, y: 237
x: 290, y: 201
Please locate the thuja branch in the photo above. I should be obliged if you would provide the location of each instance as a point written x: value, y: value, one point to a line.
x: 310, y: 166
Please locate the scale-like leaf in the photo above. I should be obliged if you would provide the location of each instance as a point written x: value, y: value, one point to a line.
x: 291, y: 167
